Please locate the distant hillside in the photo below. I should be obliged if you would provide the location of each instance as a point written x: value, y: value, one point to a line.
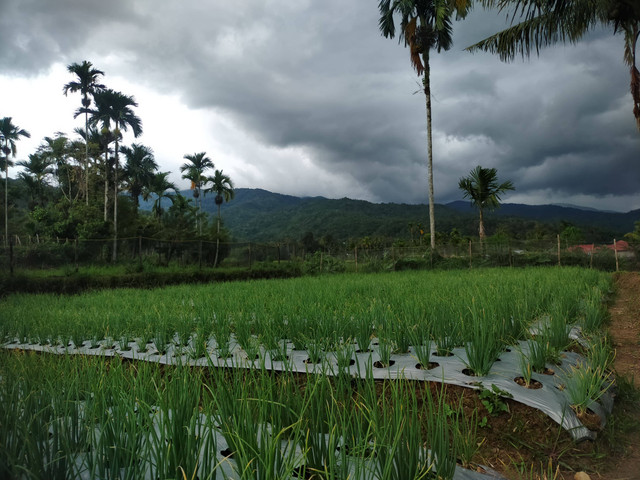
x: 262, y: 216
x: 581, y: 217
x: 259, y: 215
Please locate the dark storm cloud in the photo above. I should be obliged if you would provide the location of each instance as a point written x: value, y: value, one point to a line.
x: 34, y: 34
x: 319, y: 76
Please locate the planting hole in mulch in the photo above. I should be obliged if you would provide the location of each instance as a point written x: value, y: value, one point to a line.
x: 379, y: 364
x: 533, y: 384
x: 590, y: 419
x: 469, y: 373
x: 429, y: 366
x: 227, y: 452
x: 364, y: 351
x: 443, y: 354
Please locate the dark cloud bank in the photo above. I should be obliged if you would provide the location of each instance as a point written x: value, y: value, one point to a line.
x: 319, y: 76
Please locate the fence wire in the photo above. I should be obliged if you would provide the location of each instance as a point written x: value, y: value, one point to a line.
x: 33, y: 253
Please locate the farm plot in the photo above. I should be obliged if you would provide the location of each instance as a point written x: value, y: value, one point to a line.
x: 501, y: 332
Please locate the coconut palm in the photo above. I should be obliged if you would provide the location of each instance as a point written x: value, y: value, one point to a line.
x: 425, y: 25
x: 546, y: 22
x: 9, y: 135
x: 158, y: 186
x: 139, y: 169
x: 482, y: 188
x: 36, y: 171
x: 86, y: 83
x: 195, y: 172
x: 116, y: 107
x: 222, y: 186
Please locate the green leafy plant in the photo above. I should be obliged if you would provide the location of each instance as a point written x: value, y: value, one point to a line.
x: 493, y: 399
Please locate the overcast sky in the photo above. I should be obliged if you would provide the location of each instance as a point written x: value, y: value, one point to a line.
x: 307, y: 98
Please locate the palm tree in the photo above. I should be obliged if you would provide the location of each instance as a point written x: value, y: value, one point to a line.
x: 94, y: 141
x: 115, y: 107
x: 547, y: 22
x: 57, y: 149
x: 36, y: 171
x: 87, y: 84
x: 139, y: 169
x: 9, y: 135
x: 222, y: 186
x: 158, y: 186
x: 195, y: 172
x: 425, y: 25
x: 481, y: 186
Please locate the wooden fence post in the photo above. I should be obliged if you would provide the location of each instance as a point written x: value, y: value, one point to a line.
x: 356, y: 250
x: 470, y: 256
x: 615, y: 251
x: 559, y: 263
x: 10, y: 256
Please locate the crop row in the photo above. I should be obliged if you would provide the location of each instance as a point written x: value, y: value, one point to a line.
x: 79, y: 417
x: 451, y: 307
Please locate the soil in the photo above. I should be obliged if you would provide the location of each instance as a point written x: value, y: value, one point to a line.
x: 624, y: 329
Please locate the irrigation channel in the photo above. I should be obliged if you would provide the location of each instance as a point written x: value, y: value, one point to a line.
x: 551, y: 359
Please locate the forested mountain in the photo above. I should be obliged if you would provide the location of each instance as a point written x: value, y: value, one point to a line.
x: 262, y: 216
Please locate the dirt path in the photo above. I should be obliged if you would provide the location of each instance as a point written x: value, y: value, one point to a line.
x: 625, y: 325
x: 625, y: 334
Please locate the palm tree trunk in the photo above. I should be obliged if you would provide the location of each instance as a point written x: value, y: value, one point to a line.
x: 114, y: 253
x: 481, y: 232
x: 6, y: 200
x: 106, y: 181
x: 215, y: 262
x: 86, y: 157
x: 427, y: 94
x: 200, y: 211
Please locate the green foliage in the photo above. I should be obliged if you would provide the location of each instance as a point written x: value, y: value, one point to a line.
x: 493, y: 399
x: 322, y: 263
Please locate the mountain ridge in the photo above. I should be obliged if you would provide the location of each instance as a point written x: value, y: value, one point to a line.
x: 260, y: 215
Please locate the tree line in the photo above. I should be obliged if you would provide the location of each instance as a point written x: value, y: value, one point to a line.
x: 74, y: 186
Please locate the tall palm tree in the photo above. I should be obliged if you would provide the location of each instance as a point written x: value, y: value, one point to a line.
x: 222, y: 186
x: 195, y: 172
x: 36, y: 171
x: 139, y: 169
x: 158, y: 186
x: 483, y: 189
x: 425, y: 25
x: 9, y: 135
x: 546, y: 22
x: 87, y: 83
x: 116, y: 107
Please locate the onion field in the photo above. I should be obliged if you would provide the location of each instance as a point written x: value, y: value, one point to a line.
x: 291, y: 378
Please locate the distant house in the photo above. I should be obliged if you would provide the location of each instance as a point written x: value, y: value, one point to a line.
x: 587, y: 249
x: 621, y: 246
